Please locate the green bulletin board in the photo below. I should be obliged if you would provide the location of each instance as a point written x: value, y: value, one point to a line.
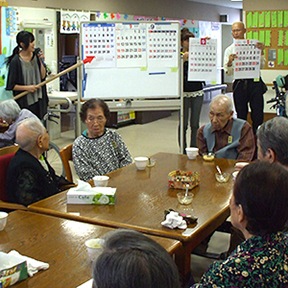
x: 271, y: 28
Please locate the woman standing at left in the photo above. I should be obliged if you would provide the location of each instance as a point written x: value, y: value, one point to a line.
x: 26, y: 70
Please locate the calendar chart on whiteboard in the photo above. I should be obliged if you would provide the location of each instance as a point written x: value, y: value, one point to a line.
x: 130, y: 60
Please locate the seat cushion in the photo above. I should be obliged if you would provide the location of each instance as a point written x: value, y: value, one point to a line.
x: 4, y: 164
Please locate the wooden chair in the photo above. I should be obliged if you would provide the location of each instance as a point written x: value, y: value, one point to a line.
x: 9, y: 150
x: 4, y: 164
x: 66, y: 156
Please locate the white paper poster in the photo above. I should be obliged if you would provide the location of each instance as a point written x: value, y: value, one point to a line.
x: 162, y: 45
x: 202, y: 62
x: 131, y: 42
x: 70, y: 21
x: 99, y: 43
x: 247, y: 63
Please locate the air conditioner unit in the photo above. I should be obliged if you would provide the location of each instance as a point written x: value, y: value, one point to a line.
x: 37, y: 24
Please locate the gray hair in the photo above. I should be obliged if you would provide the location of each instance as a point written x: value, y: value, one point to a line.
x: 223, y: 99
x: 273, y: 134
x: 9, y: 109
x: 27, y: 141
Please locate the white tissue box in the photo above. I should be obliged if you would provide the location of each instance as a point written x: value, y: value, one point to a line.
x: 12, y: 269
x: 97, y: 195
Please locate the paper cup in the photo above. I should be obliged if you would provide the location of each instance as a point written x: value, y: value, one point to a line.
x: 141, y: 162
x: 94, y: 247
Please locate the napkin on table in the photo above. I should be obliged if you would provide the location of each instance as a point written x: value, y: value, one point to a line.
x: 174, y: 220
x: 33, y: 266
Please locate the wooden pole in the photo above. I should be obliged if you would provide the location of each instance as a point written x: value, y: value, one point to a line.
x: 87, y: 60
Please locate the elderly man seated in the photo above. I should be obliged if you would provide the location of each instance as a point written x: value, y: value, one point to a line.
x: 225, y: 136
x: 11, y: 113
x: 30, y: 178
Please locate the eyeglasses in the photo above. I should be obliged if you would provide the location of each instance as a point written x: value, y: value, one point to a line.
x: 236, y: 30
x: 99, y: 119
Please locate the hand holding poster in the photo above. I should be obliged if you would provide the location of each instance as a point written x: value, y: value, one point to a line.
x: 247, y: 62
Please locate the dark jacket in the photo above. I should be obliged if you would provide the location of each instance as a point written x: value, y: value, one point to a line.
x: 28, y: 181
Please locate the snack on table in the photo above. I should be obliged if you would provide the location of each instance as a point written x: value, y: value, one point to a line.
x: 178, y: 179
x: 209, y: 157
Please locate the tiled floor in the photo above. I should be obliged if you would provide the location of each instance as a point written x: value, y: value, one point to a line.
x: 161, y: 136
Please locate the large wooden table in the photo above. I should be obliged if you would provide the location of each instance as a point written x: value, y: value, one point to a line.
x: 60, y: 243
x: 142, y: 197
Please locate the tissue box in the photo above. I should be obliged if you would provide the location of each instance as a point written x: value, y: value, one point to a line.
x: 97, y: 195
x: 12, y: 270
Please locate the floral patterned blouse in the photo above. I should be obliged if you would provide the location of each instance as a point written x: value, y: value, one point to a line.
x: 257, y: 262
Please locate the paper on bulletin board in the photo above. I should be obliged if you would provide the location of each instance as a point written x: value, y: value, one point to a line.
x: 249, y: 35
x: 280, y: 38
x: 70, y: 21
x: 262, y: 36
x: 261, y: 19
x: 249, y: 20
x: 255, y: 19
x: 286, y: 38
x: 267, y: 19
x: 285, y: 19
x: 202, y: 63
x: 286, y: 57
x: 273, y: 19
x: 255, y: 35
x: 280, y: 19
x: 247, y: 63
x: 268, y: 38
x: 280, y: 57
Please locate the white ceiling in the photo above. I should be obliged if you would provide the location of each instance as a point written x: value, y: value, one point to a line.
x: 225, y: 3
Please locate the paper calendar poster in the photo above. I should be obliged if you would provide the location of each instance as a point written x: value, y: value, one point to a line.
x: 247, y: 62
x: 202, y: 61
x: 12, y: 21
x: 162, y: 45
x: 131, y: 45
x: 98, y: 42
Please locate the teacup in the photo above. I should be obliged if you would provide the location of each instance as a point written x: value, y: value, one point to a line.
x: 3, y: 220
x: 192, y: 152
x: 141, y: 162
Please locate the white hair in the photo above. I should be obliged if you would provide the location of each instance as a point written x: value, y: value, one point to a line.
x: 9, y: 109
x: 27, y: 141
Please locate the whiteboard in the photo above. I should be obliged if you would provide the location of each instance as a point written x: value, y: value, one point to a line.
x: 130, y: 60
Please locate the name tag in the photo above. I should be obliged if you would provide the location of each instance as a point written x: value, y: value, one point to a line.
x: 230, y: 139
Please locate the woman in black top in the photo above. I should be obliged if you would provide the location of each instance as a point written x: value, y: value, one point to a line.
x: 26, y: 70
x: 193, y: 96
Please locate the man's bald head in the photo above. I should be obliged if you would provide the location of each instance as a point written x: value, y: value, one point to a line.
x: 238, y: 30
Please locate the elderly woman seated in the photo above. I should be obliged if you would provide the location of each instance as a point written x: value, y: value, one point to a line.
x: 259, y: 209
x: 11, y: 114
x: 131, y: 259
x: 30, y: 178
x: 98, y: 150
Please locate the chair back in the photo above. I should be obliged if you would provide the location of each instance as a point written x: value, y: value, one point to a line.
x: 66, y: 156
x: 9, y: 150
x: 4, y: 164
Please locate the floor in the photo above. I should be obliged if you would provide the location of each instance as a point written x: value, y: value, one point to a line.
x: 161, y: 136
